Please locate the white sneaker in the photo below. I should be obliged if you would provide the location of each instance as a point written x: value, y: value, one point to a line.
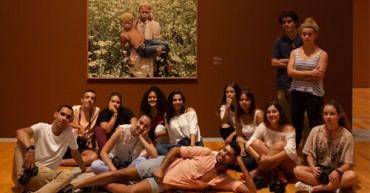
x: 338, y: 190
x: 302, y: 187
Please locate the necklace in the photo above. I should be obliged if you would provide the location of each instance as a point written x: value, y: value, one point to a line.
x: 332, y: 133
x: 247, y: 118
x: 79, y: 118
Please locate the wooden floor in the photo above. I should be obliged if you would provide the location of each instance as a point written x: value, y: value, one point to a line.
x: 360, y: 120
x: 361, y: 108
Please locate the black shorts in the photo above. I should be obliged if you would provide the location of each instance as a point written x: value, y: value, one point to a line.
x: 82, y: 146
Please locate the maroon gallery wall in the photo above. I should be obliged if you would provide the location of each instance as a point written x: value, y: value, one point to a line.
x: 361, y: 44
x: 43, y: 57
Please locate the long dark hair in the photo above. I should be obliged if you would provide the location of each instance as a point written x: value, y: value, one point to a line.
x: 283, y: 120
x: 117, y: 95
x: 170, y: 110
x: 252, y: 108
x: 343, y: 120
x: 237, y: 91
x: 151, y: 132
x: 161, y: 100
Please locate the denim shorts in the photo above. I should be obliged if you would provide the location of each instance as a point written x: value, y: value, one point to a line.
x: 146, y: 171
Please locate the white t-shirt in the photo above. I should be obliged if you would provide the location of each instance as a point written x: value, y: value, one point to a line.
x: 51, y: 148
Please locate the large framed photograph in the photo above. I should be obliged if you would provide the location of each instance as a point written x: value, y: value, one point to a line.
x: 142, y: 39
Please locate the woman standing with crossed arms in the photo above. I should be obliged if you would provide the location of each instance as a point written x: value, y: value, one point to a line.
x: 307, y: 67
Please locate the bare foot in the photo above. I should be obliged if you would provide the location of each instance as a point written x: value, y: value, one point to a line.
x: 255, y: 173
x: 159, y: 50
x: 130, y: 61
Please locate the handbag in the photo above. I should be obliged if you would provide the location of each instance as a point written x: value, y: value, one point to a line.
x: 119, y: 164
x: 184, y: 142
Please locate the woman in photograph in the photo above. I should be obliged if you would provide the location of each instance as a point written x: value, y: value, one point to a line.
x: 272, y: 145
x: 329, y: 153
x: 181, y: 124
x: 227, y: 111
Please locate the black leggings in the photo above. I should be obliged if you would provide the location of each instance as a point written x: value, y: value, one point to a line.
x: 301, y: 102
x: 225, y: 132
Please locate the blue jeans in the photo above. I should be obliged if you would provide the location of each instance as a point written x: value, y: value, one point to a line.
x: 163, y: 149
x: 149, y: 48
x: 99, y: 166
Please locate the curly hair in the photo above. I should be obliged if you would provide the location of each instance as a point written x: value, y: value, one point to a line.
x: 126, y: 16
x: 288, y: 13
x: 145, y: 4
x: 161, y: 100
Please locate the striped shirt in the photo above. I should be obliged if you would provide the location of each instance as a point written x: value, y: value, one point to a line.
x: 315, y: 88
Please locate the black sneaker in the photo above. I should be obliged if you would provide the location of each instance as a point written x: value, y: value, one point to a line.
x: 90, y: 189
x: 68, y: 189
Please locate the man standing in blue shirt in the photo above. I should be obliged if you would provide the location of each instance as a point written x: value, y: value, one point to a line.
x: 283, y: 45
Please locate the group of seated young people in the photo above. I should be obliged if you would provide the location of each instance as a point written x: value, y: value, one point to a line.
x: 179, y: 160
x: 268, y: 144
x: 162, y: 148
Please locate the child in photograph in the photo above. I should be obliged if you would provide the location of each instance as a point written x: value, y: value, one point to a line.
x: 130, y: 36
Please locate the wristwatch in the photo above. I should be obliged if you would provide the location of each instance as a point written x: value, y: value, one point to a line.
x: 31, y: 148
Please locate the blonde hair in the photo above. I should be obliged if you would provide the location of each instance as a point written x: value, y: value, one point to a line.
x: 126, y: 16
x: 145, y: 4
x: 309, y: 23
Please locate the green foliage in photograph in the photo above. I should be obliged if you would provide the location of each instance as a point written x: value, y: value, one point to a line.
x: 178, y: 26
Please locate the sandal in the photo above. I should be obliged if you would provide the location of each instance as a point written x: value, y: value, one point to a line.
x: 283, y: 179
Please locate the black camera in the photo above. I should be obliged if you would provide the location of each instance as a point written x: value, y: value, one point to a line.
x: 119, y: 164
x: 277, y: 186
x: 260, y: 182
x: 325, y: 172
x: 27, y: 174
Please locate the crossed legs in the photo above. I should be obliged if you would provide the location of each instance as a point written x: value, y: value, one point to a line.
x: 304, y: 173
x: 284, y: 166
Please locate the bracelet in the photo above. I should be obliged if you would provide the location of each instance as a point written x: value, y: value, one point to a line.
x: 339, y: 172
x: 31, y: 148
